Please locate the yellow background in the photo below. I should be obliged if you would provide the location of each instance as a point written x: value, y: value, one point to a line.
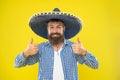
x: 100, y: 35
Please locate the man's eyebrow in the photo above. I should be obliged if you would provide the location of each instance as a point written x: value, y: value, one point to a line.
x: 50, y: 25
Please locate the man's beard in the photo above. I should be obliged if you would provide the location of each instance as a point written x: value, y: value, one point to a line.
x: 56, y: 40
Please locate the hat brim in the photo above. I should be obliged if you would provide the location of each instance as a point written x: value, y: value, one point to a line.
x: 39, y: 25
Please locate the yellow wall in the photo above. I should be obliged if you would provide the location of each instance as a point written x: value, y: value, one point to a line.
x: 100, y: 35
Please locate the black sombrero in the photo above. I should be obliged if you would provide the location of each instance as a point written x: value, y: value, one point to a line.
x: 38, y: 23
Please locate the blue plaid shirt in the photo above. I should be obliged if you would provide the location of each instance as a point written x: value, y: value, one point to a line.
x: 45, y: 57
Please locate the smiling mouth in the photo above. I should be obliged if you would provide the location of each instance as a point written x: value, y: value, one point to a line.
x: 55, y: 35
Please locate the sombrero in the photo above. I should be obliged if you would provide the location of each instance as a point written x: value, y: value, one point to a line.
x: 38, y: 23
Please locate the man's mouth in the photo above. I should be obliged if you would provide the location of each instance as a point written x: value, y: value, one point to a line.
x: 55, y: 34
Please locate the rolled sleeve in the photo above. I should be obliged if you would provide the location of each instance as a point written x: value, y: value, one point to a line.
x: 89, y: 59
x: 20, y: 60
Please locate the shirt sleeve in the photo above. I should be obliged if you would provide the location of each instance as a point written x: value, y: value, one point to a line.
x: 88, y: 59
x: 21, y: 61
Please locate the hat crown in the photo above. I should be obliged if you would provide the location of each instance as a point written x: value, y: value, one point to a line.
x: 56, y: 10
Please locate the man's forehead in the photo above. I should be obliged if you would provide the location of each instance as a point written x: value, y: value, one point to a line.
x: 55, y: 24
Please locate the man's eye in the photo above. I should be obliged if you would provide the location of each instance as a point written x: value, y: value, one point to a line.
x: 51, y: 27
x: 59, y: 27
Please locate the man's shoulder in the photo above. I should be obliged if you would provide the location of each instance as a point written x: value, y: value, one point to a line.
x: 44, y: 44
x: 68, y: 42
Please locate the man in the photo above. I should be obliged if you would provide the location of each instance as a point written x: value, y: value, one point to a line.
x: 58, y: 57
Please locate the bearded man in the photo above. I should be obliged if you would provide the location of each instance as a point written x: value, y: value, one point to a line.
x: 58, y: 57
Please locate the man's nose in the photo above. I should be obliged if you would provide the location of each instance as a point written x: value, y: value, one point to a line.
x: 55, y: 30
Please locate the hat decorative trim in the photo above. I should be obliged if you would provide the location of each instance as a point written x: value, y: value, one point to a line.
x: 54, y: 13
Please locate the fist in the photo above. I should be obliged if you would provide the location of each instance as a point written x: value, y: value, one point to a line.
x: 78, y: 48
x: 32, y: 49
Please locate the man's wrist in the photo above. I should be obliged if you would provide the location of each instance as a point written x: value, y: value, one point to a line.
x: 84, y: 52
x: 25, y: 54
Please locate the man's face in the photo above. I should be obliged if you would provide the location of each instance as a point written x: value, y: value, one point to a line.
x: 55, y: 31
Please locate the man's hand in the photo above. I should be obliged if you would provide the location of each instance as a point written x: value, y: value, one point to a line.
x: 78, y: 48
x: 32, y: 49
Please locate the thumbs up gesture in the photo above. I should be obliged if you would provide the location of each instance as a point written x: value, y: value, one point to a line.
x: 78, y: 48
x: 32, y: 49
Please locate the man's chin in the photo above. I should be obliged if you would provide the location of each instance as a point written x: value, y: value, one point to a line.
x: 56, y: 39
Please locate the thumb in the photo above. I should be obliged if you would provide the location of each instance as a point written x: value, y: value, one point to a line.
x: 79, y: 42
x: 31, y: 41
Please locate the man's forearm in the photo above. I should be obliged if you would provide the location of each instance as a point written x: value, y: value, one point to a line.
x: 91, y: 61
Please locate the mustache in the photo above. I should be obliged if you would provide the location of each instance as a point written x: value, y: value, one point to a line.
x: 55, y: 34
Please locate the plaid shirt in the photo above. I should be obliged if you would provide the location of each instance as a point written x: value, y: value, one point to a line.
x: 45, y: 57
